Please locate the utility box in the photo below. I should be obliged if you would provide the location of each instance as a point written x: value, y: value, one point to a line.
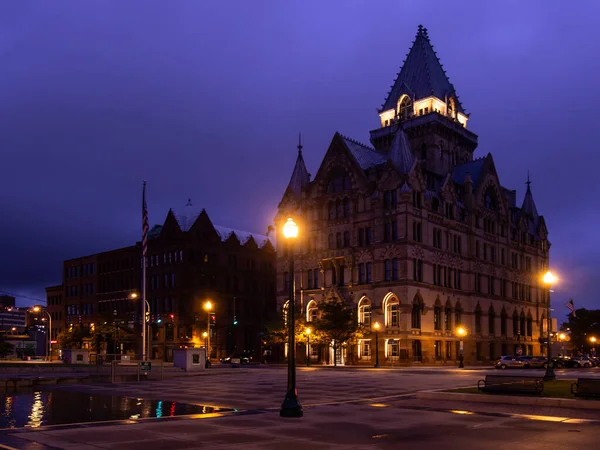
x: 190, y: 359
x: 75, y: 356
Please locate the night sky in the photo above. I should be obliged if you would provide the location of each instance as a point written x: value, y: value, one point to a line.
x: 205, y: 100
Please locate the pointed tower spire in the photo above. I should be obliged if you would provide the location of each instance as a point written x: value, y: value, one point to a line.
x: 422, y: 75
x: 300, y: 176
x: 528, y: 203
x: 400, y: 152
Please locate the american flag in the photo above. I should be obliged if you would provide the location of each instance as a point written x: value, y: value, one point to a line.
x: 571, y: 306
x: 144, y: 224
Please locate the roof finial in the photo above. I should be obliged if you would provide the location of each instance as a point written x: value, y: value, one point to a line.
x: 420, y: 29
x: 528, y: 183
x: 189, y: 202
x: 300, y: 143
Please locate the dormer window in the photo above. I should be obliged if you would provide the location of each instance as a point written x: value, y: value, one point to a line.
x: 404, y: 108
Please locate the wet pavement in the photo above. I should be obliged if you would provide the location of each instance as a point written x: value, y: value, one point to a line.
x: 343, y: 409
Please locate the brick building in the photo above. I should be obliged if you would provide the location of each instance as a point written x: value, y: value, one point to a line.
x: 190, y: 261
x: 418, y: 234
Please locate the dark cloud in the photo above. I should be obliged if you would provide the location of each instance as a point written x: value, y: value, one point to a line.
x: 205, y: 101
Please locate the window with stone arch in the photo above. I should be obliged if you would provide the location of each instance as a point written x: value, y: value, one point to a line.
x: 391, y: 308
x: 492, y: 320
x: 529, y: 324
x: 339, y: 182
x: 284, y: 312
x: 451, y: 107
x: 404, y: 107
x: 458, y: 314
x: 364, y: 312
x: 489, y: 199
x: 312, y: 311
x: 417, y: 307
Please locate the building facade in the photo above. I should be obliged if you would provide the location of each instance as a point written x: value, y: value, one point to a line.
x: 417, y: 233
x: 190, y: 261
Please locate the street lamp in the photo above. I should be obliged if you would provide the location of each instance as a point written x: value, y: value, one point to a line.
x: 307, y: 347
x: 376, y: 327
x: 38, y: 309
x: 291, y: 407
x: 146, y: 340
x: 549, y: 280
x: 462, y: 333
x: 562, y: 337
x: 593, y: 341
x: 208, y: 307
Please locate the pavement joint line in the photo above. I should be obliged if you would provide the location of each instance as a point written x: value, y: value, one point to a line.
x: 361, y: 400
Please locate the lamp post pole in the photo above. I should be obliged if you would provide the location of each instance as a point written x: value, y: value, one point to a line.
x: 461, y: 360
x: 307, y: 347
x: 38, y: 309
x: 549, y: 375
x: 291, y: 407
x: 208, y: 307
x: 376, y: 326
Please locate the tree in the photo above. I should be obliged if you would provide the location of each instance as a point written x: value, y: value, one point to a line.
x: 6, y: 348
x: 582, y: 327
x: 338, y: 324
x: 71, y: 339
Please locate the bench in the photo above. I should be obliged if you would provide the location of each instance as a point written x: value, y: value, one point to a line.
x: 586, y: 387
x: 511, y: 384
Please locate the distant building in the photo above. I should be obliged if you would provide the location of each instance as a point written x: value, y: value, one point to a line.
x: 7, y: 301
x: 417, y: 234
x: 190, y: 261
x: 13, y: 320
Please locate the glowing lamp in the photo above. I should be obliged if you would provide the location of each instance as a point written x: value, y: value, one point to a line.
x: 290, y: 229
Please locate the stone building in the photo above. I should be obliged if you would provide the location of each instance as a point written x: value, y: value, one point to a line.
x: 190, y: 261
x: 417, y: 233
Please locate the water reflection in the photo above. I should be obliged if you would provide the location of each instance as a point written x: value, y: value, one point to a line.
x: 37, y: 410
x: 53, y: 407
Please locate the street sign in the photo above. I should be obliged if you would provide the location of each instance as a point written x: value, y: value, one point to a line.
x: 145, y: 366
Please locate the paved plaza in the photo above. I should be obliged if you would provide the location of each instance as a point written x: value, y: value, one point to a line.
x: 345, y: 409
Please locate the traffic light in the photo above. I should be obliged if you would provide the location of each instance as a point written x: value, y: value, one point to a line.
x: 212, y: 319
x: 158, y: 318
x: 147, y: 316
x: 172, y: 316
x: 235, y: 322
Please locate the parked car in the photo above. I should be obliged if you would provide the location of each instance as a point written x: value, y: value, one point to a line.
x: 509, y: 362
x: 244, y: 358
x: 562, y: 362
x: 582, y: 361
x: 534, y: 362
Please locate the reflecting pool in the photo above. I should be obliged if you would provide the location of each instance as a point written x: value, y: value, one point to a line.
x: 56, y: 407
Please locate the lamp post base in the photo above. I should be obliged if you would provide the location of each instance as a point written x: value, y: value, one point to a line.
x: 291, y: 407
x: 549, y: 375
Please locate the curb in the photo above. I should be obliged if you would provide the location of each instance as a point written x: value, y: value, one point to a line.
x: 511, y: 400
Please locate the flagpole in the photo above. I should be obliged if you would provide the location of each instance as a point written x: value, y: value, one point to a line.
x: 144, y: 257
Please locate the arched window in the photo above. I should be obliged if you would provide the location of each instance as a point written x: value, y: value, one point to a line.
x: 416, y: 313
x: 490, y: 201
x: 451, y: 107
x: 503, y: 319
x: 338, y: 183
x: 346, y: 207
x: 284, y: 312
x: 515, y: 320
x: 364, y: 312
x: 404, y: 108
x: 312, y: 311
x: 458, y: 314
x: 391, y: 307
x: 529, y: 325
x: 331, y: 211
x: 522, y: 328
x: 492, y: 321
x: 437, y: 315
x: 448, y: 316
x: 478, y: 319
x: 339, y: 208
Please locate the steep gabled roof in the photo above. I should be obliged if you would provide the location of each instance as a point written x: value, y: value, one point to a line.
x: 300, y: 176
x: 421, y: 75
x: 475, y: 168
x: 400, y: 152
x: 364, y: 155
